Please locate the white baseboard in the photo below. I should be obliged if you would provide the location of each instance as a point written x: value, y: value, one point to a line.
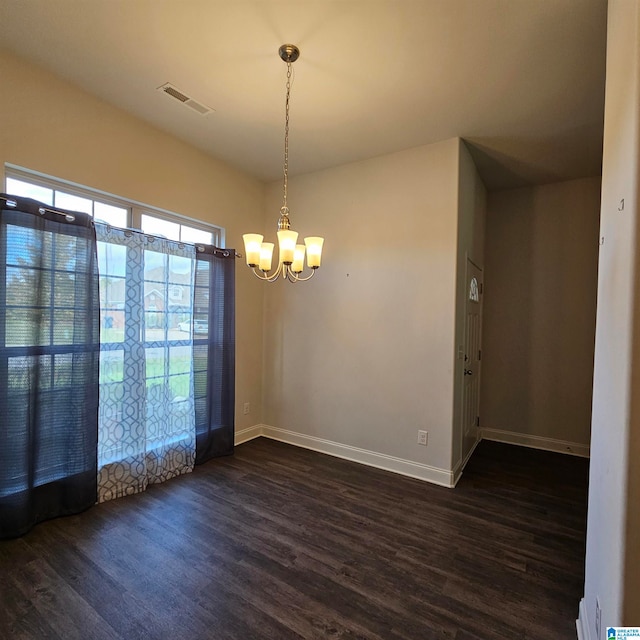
x: 459, y: 468
x: 435, y: 475
x: 582, y: 625
x: 363, y: 456
x: 248, y: 434
x: 536, y: 442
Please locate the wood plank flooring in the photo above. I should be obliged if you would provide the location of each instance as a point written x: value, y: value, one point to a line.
x: 278, y: 543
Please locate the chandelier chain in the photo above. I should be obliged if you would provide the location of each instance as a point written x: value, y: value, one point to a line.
x: 285, y: 167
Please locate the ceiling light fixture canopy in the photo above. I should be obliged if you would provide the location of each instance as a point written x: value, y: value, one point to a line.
x: 291, y: 255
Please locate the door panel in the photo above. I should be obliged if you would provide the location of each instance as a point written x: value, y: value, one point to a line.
x: 472, y: 359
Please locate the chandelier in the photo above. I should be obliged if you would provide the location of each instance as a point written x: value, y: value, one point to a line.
x: 259, y: 254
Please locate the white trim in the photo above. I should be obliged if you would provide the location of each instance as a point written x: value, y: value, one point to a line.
x: 244, y: 435
x: 404, y: 467
x: 535, y: 442
x: 418, y: 470
x: 401, y: 466
x: 582, y: 624
x: 135, y: 207
x: 459, y: 468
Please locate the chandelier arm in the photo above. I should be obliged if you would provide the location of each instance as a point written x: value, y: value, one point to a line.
x: 266, y: 277
x: 258, y: 275
x: 297, y: 278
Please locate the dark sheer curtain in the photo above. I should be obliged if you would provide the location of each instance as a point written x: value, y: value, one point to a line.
x: 214, y: 352
x: 49, y: 363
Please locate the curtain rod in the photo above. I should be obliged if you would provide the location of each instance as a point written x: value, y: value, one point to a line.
x: 199, y: 246
x: 70, y: 217
x: 41, y: 210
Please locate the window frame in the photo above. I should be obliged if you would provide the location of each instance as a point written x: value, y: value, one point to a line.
x: 135, y: 209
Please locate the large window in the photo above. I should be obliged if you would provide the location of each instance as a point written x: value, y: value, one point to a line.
x: 166, y: 330
x: 116, y: 350
x: 111, y: 210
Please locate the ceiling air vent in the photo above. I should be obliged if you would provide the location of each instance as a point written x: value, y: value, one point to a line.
x: 176, y: 94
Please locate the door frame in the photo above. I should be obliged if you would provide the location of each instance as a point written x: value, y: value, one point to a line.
x: 470, y: 267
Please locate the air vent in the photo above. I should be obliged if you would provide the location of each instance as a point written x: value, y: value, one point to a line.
x: 176, y: 94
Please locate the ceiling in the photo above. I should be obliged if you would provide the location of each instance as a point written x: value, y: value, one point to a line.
x: 522, y: 81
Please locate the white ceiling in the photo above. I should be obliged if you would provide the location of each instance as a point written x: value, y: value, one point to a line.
x: 521, y: 80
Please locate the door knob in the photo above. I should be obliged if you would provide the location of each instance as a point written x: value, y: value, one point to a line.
x: 468, y: 372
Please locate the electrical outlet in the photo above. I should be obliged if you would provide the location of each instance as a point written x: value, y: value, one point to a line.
x: 598, y: 619
x: 247, y: 408
x: 422, y: 437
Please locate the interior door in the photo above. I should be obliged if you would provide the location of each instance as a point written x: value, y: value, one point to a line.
x: 472, y: 359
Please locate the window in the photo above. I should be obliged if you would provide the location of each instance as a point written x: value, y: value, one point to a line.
x: 157, y: 342
x: 106, y: 334
x: 474, y: 293
x: 111, y: 210
x: 145, y: 368
x: 48, y: 359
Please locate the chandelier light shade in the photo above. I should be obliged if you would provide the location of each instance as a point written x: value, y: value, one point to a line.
x: 291, y: 254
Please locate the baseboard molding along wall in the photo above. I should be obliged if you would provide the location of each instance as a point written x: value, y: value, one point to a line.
x: 459, y: 468
x: 363, y: 456
x: 244, y: 435
x: 536, y: 442
x: 442, y: 477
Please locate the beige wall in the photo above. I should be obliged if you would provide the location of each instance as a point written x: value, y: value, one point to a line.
x: 472, y: 205
x: 363, y: 354
x: 612, y: 572
x: 49, y: 126
x: 539, y: 311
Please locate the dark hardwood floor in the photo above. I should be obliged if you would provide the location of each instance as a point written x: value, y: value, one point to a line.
x: 279, y: 542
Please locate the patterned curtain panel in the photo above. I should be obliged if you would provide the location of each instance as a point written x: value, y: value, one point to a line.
x: 214, y: 352
x: 49, y: 353
x: 146, y: 415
